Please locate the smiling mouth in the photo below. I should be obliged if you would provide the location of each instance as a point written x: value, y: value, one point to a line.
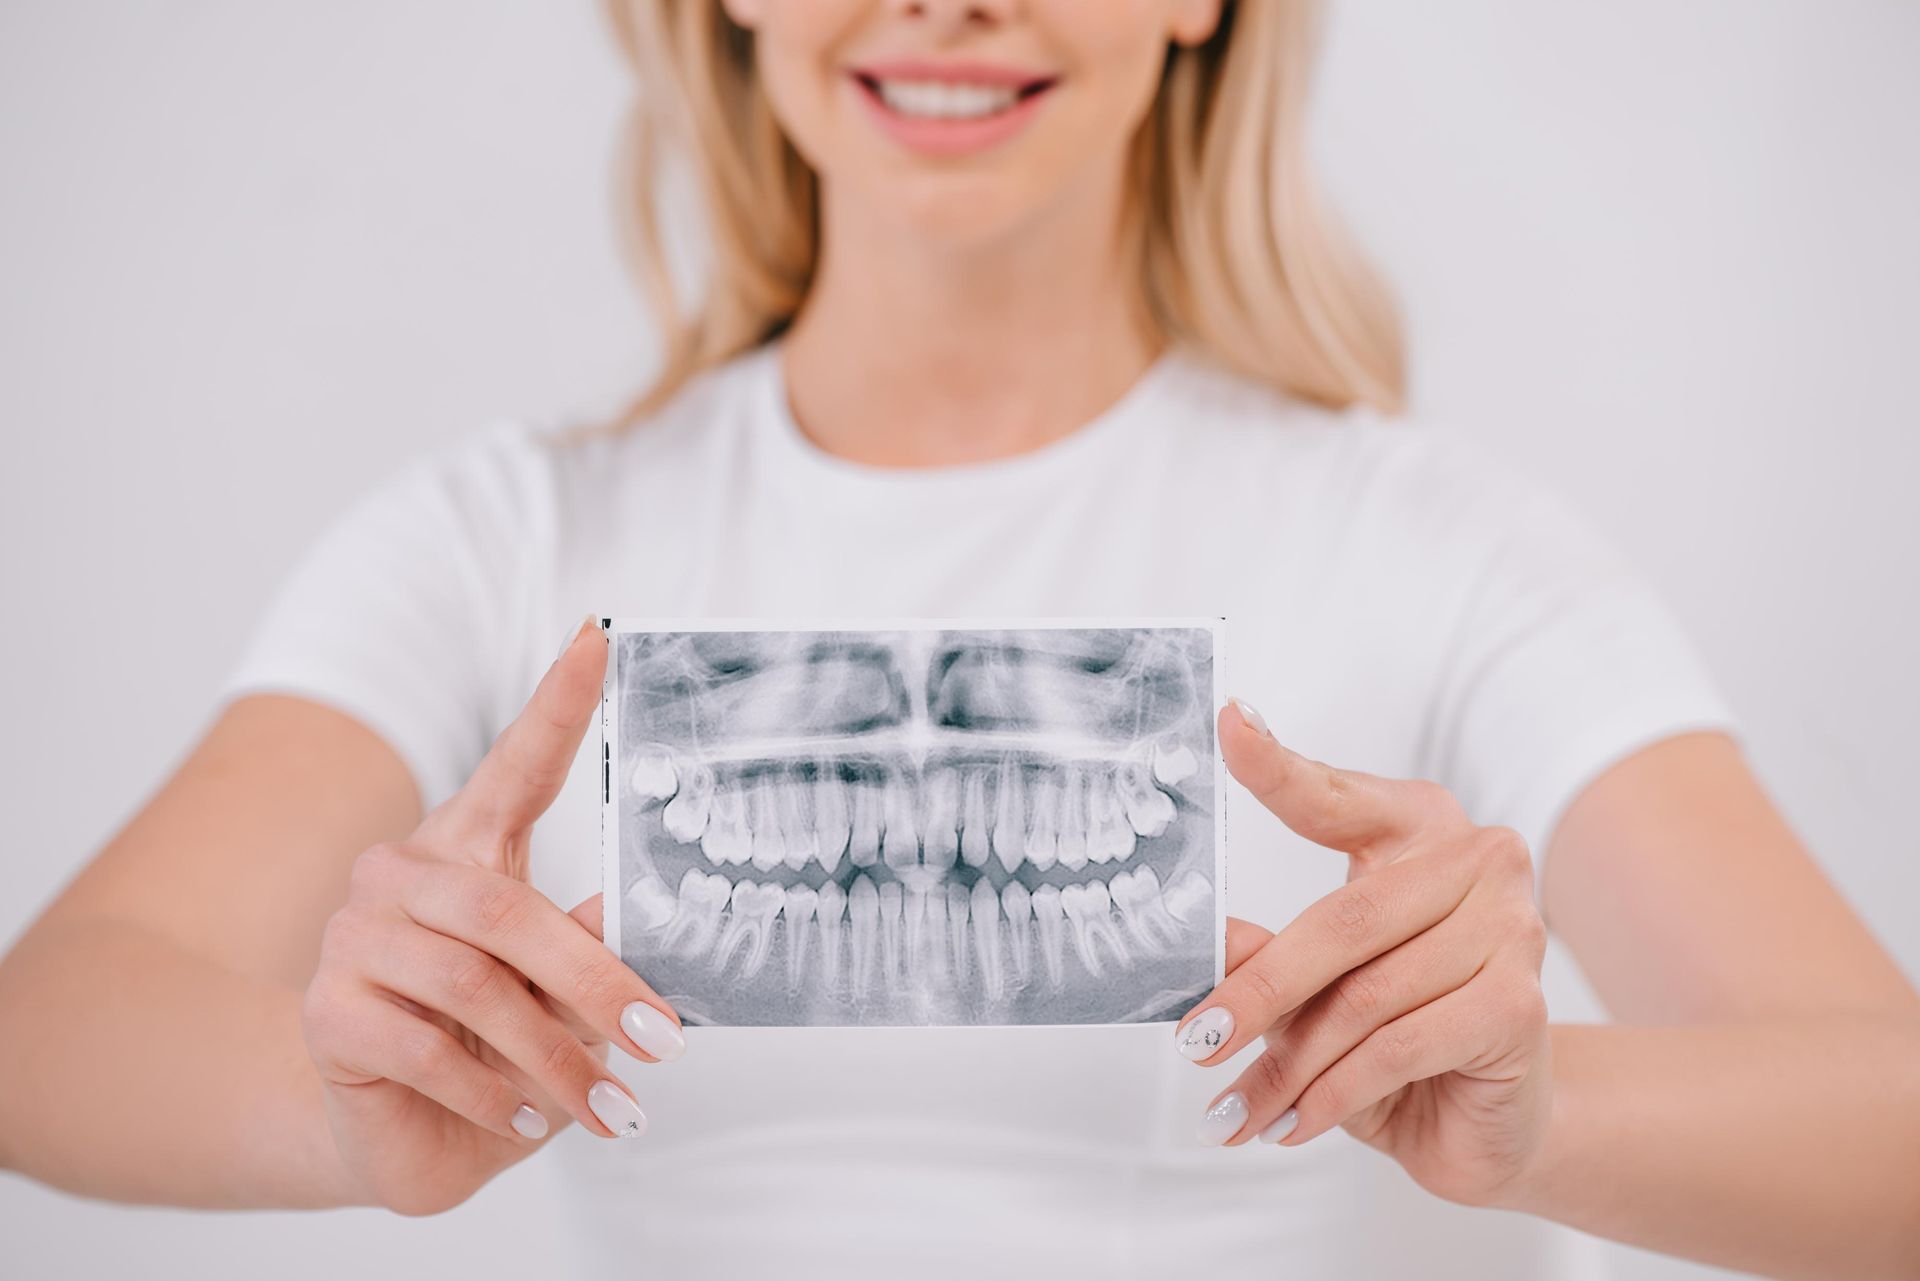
x: 958, y: 100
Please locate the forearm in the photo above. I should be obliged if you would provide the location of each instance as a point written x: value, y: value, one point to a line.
x: 1791, y: 1148
x: 132, y: 1070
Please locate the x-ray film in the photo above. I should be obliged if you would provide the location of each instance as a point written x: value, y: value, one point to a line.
x: 920, y: 823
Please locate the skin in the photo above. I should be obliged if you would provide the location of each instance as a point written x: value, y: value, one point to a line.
x: 361, y: 1031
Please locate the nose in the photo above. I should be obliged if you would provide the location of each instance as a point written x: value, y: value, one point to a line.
x: 953, y: 14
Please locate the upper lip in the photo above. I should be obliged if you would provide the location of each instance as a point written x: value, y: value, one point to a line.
x: 973, y: 73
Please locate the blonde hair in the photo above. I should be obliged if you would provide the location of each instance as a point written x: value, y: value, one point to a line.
x: 1238, y: 256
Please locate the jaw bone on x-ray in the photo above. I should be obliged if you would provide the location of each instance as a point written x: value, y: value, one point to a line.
x: 921, y: 825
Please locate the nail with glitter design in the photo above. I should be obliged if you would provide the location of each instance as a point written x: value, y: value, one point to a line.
x: 1223, y: 1120
x: 1201, y: 1036
x: 617, y: 1110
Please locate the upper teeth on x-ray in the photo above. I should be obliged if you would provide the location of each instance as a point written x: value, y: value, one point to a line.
x: 915, y: 827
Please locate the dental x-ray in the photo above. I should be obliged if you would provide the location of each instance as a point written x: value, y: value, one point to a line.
x: 931, y: 824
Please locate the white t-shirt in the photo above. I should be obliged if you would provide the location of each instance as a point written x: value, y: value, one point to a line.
x: 1394, y: 602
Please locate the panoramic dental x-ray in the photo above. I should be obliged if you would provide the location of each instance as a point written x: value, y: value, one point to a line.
x: 921, y: 824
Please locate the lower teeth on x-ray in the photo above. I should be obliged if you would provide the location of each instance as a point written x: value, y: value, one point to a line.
x: 915, y: 826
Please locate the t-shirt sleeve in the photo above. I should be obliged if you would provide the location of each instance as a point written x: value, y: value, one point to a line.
x: 404, y: 613
x: 1561, y: 663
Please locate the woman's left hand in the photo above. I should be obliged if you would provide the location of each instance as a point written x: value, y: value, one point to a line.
x: 1404, y: 1006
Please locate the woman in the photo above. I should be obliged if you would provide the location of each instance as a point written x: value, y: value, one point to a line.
x: 1016, y: 307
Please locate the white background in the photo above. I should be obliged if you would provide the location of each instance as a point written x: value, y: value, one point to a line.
x: 252, y: 256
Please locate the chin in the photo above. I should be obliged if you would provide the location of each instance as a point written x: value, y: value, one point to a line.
x: 957, y: 210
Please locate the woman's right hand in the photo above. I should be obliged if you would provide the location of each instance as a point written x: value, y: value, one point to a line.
x: 457, y: 1012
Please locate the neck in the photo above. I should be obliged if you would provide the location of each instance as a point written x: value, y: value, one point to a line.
x: 909, y: 354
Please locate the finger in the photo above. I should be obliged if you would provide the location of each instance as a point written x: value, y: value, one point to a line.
x: 511, y: 920
x: 1355, y: 813
x: 1359, y: 1003
x: 530, y: 760
x: 1244, y: 938
x: 1468, y: 1029
x: 588, y: 914
x: 1349, y: 927
x: 486, y: 997
x: 369, y: 1039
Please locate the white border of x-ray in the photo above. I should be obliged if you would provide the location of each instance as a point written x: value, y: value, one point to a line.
x: 610, y: 902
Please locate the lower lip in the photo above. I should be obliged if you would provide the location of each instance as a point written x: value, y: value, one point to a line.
x: 946, y: 136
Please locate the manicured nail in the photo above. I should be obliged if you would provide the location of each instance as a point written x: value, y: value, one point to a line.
x: 1255, y: 722
x: 1222, y: 1121
x: 529, y: 1123
x: 591, y: 620
x: 653, y: 1031
x: 616, y: 1110
x: 1282, y: 1126
x: 1201, y: 1036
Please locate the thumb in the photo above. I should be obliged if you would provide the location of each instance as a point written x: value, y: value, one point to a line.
x: 524, y: 770
x: 588, y: 914
x: 1340, y: 809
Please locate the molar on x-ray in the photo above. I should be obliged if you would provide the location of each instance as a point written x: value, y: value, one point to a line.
x: 924, y: 824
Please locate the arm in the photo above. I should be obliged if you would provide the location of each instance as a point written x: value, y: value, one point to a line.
x: 153, y: 1048
x: 1767, y: 1113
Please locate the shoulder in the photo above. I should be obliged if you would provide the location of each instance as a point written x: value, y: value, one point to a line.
x: 1379, y: 494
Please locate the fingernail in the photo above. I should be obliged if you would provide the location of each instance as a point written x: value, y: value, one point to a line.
x: 1222, y: 1121
x: 1282, y: 1126
x: 1201, y: 1036
x: 616, y: 1110
x: 653, y: 1031
x: 1255, y: 721
x: 591, y: 620
x: 529, y: 1123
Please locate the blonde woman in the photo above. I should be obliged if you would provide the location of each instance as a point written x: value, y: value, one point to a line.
x: 1014, y: 307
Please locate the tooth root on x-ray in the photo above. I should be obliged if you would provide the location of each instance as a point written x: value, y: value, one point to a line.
x: 934, y: 826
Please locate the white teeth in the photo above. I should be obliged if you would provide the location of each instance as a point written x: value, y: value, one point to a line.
x: 696, y: 916
x: 766, y: 844
x: 1110, y: 838
x: 1188, y: 897
x: 726, y: 840
x: 1149, y: 809
x: 685, y: 816
x: 751, y: 923
x: 1050, y: 917
x: 1043, y: 835
x: 1174, y: 762
x: 796, y: 825
x: 890, y: 932
x: 863, y: 905
x: 1010, y: 817
x: 654, y: 778
x: 798, y: 910
x: 651, y: 902
x: 935, y: 940
x: 985, y: 916
x: 940, y: 835
x: 913, y: 913
x: 945, y: 100
x: 1018, y: 905
x: 863, y: 845
x: 830, y: 821
x: 899, y: 842
x: 957, y: 911
x: 1090, y: 909
x: 975, y: 845
x: 830, y: 910
x: 1145, y: 915
x: 1071, y: 844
